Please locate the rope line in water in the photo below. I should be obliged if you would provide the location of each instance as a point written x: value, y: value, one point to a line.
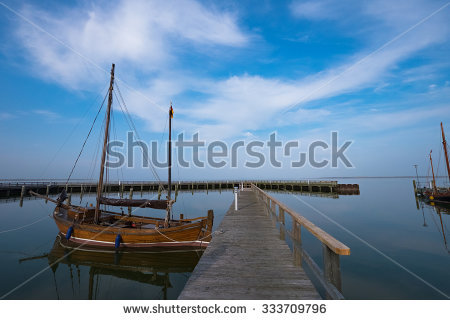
x: 23, y: 227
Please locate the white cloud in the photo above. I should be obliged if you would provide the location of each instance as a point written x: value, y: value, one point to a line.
x: 140, y: 35
x: 148, y: 40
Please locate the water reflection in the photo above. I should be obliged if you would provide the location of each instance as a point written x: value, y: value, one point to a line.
x: 153, y: 268
x: 439, y: 210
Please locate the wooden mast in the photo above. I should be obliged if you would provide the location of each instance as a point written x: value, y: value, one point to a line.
x: 170, y: 151
x: 432, y: 170
x: 169, y: 161
x: 105, y: 142
x: 445, y: 151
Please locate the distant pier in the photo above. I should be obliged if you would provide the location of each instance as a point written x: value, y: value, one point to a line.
x: 15, y: 188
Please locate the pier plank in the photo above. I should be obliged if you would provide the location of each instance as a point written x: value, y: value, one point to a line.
x: 246, y: 259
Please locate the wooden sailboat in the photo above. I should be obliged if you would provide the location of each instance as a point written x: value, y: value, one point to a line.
x: 101, y: 227
x: 436, y: 194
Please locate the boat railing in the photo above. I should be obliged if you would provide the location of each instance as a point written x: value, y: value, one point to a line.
x: 330, y: 277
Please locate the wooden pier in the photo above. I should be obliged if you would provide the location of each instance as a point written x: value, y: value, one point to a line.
x: 248, y: 257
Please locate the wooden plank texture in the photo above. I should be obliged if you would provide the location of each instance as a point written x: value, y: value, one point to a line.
x: 246, y: 259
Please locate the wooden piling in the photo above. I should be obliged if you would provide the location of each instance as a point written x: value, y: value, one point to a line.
x: 47, y: 191
x: 130, y: 197
x: 22, y: 193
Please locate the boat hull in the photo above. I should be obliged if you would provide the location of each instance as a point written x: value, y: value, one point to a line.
x: 441, y: 196
x: 195, y: 233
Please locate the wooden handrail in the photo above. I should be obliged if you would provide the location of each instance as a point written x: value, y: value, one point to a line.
x: 333, y: 244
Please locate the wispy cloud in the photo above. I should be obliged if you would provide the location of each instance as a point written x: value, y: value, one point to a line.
x: 317, y: 10
x: 141, y: 35
x: 6, y: 116
x: 48, y: 115
x: 150, y: 39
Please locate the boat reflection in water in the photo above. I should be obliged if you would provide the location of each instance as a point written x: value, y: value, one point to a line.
x: 143, y: 266
x: 439, y: 209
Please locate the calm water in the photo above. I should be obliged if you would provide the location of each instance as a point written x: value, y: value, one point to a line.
x: 84, y: 275
x: 384, y: 216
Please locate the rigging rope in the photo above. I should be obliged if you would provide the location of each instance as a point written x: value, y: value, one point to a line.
x: 90, y: 130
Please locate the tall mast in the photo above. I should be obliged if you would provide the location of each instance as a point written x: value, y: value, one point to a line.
x: 432, y: 170
x: 105, y: 143
x: 445, y: 151
x: 169, y: 161
x: 170, y: 151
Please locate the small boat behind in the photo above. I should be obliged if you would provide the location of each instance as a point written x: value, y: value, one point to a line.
x: 436, y: 194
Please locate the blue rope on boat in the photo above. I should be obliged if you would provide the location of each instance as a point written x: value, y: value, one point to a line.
x: 69, y: 232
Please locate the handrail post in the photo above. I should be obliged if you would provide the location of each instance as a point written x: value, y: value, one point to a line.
x: 297, y: 235
x: 235, y: 198
x: 331, y: 266
x: 281, y: 214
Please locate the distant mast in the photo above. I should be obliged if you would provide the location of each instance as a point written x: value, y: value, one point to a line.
x: 445, y: 151
x: 432, y: 171
x: 105, y: 142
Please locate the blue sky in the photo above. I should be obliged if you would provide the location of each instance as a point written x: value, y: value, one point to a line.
x: 375, y: 71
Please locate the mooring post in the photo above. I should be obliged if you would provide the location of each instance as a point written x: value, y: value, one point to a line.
x: 121, y: 190
x: 159, y: 192
x: 331, y: 266
x: 47, y: 191
x: 131, y: 198
x: 22, y: 193
x: 142, y: 188
x: 69, y: 197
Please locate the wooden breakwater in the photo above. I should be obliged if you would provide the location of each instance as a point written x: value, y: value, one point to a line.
x: 15, y: 188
